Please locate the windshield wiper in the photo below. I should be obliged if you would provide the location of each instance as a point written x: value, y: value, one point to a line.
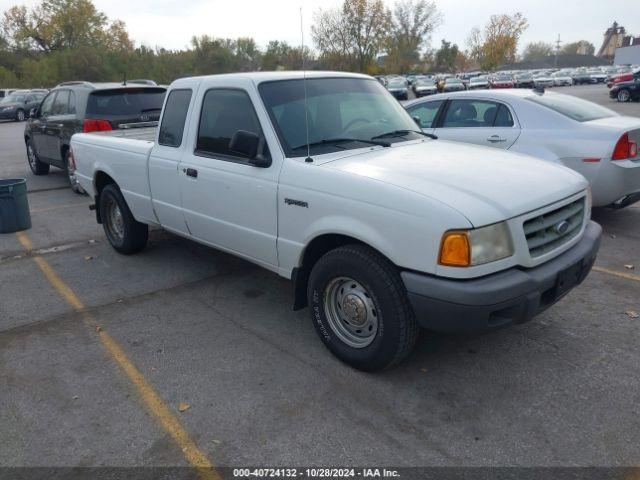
x: 327, y: 141
x: 400, y: 133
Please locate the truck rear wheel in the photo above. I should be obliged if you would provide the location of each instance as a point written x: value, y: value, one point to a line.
x: 124, y: 233
x: 360, y: 309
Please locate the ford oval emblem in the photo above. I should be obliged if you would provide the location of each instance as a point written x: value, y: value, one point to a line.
x: 562, y: 227
x: 144, y: 117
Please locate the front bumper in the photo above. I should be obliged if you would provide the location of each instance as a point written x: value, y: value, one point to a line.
x: 504, y: 298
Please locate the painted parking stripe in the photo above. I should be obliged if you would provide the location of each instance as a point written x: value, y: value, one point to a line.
x: 615, y: 273
x: 149, y: 397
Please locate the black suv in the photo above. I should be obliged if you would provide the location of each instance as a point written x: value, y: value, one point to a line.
x: 75, y: 107
x: 17, y: 105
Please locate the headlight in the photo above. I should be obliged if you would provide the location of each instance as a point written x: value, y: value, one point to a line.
x: 465, y: 248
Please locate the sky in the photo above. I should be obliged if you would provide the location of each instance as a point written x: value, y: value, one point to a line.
x: 172, y: 23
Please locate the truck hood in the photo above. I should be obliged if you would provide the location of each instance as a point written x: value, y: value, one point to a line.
x: 486, y: 185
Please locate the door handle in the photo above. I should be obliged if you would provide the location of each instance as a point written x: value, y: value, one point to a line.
x: 191, y: 172
x: 496, y: 139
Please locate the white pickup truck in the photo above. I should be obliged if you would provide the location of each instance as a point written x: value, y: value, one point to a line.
x: 326, y: 180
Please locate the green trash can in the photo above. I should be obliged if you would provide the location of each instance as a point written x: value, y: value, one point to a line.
x: 14, y: 206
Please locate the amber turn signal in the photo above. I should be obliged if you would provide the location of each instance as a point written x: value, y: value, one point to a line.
x: 455, y: 250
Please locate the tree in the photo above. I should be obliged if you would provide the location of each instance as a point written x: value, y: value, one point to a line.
x: 59, y: 24
x: 446, y: 56
x: 582, y: 47
x: 350, y: 37
x: 536, y: 51
x: 497, y: 43
x: 412, y: 23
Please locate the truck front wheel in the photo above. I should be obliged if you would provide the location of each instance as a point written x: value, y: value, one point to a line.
x: 124, y: 233
x: 360, y: 309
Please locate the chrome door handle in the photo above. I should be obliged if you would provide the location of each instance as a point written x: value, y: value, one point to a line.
x: 496, y: 139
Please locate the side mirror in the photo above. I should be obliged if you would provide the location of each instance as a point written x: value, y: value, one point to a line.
x: 33, y: 113
x: 249, y: 144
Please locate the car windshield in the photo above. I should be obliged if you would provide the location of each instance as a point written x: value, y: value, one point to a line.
x: 424, y: 82
x: 453, y: 80
x: 573, y: 107
x: 357, y: 109
x: 396, y: 83
x: 479, y: 79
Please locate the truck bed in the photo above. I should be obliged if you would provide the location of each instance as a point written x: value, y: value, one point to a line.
x: 147, y: 134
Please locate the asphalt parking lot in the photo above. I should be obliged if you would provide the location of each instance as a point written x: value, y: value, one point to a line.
x: 98, y: 351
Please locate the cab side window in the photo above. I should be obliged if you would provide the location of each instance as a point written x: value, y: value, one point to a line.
x: 174, y: 117
x: 224, y: 112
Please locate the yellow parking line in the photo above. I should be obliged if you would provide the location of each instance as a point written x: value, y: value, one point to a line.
x: 615, y: 273
x: 148, y: 395
x: 58, y: 207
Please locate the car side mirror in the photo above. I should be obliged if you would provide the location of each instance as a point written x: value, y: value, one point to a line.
x: 250, y: 145
x: 33, y: 113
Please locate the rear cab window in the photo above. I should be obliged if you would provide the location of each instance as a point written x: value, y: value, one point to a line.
x: 174, y: 118
x: 572, y: 107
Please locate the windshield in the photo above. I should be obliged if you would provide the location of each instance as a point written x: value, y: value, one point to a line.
x: 573, y: 107
x: 479, y: 79
x: 453, y: 80
x: 424, y: 82
x: 396, y: 83
x: 338, y: 108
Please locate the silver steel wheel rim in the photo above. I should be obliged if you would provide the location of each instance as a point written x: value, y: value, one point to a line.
x: 31, y: 156
x: 350, y: 312
x: 623, y: 96
x: 20, y: 115
x: 115, y: 220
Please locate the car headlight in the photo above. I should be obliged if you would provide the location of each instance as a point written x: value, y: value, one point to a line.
x: 466, y: 248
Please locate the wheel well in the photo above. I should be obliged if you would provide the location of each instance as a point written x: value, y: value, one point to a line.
x: 312, y: 253
x: 100, y: 181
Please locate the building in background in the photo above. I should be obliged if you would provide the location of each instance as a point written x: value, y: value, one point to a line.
x: 616, y: 37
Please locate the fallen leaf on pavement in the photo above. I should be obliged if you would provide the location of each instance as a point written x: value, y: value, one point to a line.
x: 183, y: 407
x: 632, y: 314
x: 88, y: 257
x: 629, y: 267
x: 98, y: 328
x: 612, y: 236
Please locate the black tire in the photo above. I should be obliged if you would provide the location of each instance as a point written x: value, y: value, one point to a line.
x: 35, y: 164
x: 73, y: 183
x: 127, y: 236
x: 21, y: 116
x: 396, y: 327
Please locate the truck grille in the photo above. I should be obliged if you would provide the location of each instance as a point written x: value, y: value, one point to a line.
x: 555, y: 228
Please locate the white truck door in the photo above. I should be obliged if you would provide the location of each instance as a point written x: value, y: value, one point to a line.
x: 164, y: 161
x: 227, y: 202
x: 483, y: 122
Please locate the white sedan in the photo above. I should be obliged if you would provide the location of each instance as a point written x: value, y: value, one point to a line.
x: 581, y: 135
